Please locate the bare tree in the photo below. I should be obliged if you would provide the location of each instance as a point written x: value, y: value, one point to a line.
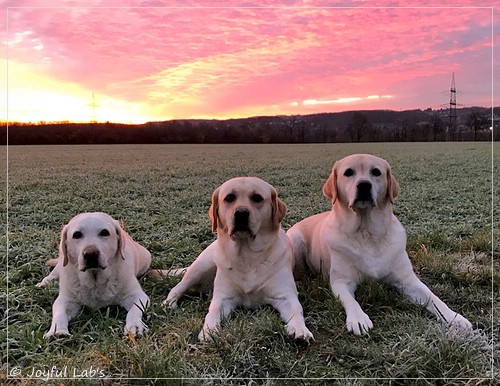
x: 360, y: 127
x: 477, y: 122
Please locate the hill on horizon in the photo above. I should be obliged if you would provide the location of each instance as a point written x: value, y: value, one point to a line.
x: 472, y: 123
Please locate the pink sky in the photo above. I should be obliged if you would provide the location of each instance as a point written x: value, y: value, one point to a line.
x: 158, y: 62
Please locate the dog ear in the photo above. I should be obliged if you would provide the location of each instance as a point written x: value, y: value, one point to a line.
x: 120, y: 249
x: 392, y: 186
x: 63, y: 249
x: 213, y: 212
x: 330, y: 187
x: 279, y: 208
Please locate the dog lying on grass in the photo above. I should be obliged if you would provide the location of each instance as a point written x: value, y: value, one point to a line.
x: 360, y: 238
x: 250, y: 263
x: 98, y: 266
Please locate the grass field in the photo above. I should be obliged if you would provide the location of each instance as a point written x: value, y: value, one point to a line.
x: 163, y: 193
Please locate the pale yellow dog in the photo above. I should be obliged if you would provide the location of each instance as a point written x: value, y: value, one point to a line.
x: 360, y: 239
x: 250, y: 263
x: 98, y: 266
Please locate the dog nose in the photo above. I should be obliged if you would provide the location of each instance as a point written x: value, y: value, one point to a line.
x: 241, y: 212
x: 364, y: 187
x: 91, y: 258
x: 241, y: 216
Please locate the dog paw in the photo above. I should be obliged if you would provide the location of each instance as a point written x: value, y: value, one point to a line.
x: 299, y: 332
x: 136, y: 328
x: 170, y: 302
x: 359, y: 324
x: 56, y: 333
x: 206, y: 335
x: 460, y: 322
x: 42, y: 284
x: 202, y: 337
x: 172, y: 299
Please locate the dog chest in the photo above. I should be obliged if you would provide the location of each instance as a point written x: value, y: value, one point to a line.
x: 370, y: 261
x: 251, y: 297
x: 98, y: 291
x: 248, y: 286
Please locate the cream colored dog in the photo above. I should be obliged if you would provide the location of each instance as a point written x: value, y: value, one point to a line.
x: 251, y: 258
x: 98, y: 266
x: 360, y: 238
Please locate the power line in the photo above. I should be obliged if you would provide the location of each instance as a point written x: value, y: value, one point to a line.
x: 452, y: 114
x: 93, y: 105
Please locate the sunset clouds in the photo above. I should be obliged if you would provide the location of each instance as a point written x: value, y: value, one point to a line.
x: 144, y: 61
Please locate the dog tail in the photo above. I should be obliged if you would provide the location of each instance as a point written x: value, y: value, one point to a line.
x: 52, y: 262
x: 159, y: 273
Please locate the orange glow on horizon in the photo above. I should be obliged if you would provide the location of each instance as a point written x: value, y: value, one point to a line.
x: 33, y: 98
x: 158, y: 64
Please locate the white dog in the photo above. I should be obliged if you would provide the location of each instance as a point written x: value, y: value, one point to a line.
x: 98, y: 266
x: 360, y: 238
x: 251, y: 258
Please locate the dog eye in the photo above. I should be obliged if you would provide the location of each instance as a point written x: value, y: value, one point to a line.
x: 77, y: 235
x: 230, y: 198
x: 349, y: 172
x: 104, y: 233
x: 376, y: 172
x: 257, y: 198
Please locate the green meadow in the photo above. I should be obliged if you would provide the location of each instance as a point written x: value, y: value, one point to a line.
x: 162, y: 193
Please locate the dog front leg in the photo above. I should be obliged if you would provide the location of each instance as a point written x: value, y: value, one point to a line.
x: 291, y: 312
x: 135, y: 305
x: 420, y: 294
x: 63, y: 310
x: 54, y: 275
x: 219, y: 309
x: 201, y: 273
x: 356, y: 320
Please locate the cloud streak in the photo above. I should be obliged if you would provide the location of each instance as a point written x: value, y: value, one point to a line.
x: 181, y: 62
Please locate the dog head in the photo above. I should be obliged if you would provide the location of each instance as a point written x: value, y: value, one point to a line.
x: 361, y: 181
x: 91, y: 240
x: 244, y: 207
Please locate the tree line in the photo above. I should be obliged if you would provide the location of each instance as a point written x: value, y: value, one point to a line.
x: 472, y: 124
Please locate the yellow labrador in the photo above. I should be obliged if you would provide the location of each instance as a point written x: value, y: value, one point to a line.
x: 251, y: 258
x: 98, y: 266
x: 360, y: 238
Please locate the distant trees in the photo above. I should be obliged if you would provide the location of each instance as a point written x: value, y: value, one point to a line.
x: 478, y: 122
x: 360, y: 127
x: 437, y: 127
x: 354, y: 126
